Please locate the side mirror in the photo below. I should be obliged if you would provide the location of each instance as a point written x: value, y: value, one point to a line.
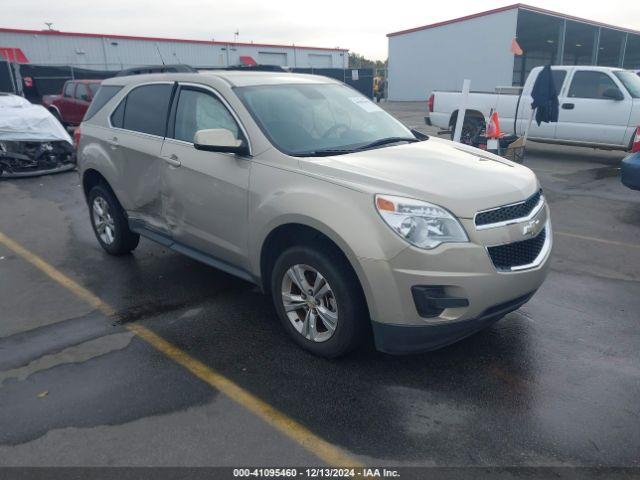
x: 613, y: 94
x: 219, y: 140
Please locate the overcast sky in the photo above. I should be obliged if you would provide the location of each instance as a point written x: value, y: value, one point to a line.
x: 357, y: 25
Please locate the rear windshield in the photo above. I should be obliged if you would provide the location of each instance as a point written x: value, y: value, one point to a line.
x: 105, y: 93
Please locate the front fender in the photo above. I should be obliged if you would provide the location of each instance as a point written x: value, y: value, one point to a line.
x: 346, y: 216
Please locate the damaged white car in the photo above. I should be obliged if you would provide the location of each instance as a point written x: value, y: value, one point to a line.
x: 32, y: 141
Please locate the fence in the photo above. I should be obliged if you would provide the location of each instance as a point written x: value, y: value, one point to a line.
x: 35, y: 81
x: 359, y: 78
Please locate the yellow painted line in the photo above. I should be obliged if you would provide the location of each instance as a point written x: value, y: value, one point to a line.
x: 599, y: 240
x: 269, y: 414
x: 319, y: 447
x: 56, y: 275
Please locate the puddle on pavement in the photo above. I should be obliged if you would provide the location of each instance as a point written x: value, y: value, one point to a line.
x: 138, y: 312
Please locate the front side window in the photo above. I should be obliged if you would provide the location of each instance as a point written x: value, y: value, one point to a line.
x: 591, y: 85
x: 304, y: 118
x: 200, y: 110
x: 146, y: 109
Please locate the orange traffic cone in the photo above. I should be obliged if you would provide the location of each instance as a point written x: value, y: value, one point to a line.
x: 493, y: 129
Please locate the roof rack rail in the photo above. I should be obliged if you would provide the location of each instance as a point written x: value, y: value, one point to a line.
x: 178, y: 68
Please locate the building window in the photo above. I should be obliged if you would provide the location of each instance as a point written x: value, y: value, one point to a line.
x: 610, y: 47
x: 538, y: 36
x: 579, y: 44
x: 632, y: 52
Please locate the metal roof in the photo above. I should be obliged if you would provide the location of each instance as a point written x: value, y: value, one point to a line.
x: 522, y: 6
x: 161, y: 39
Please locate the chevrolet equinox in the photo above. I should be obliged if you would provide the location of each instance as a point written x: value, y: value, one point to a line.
x: 351, y: 222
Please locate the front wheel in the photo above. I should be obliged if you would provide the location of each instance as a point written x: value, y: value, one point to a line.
x: 109, y: 223
x: 319, y: 301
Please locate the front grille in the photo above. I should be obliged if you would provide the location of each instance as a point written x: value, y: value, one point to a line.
x: 516, y: 254
x: 509, y: 212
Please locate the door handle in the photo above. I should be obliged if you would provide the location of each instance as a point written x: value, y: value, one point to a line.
x: 568, y: 106
x: 172, y: 160
x: 113, y: 142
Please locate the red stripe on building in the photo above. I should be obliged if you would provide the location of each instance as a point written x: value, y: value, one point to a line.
x: 160, y: 39
x: 12, y: 54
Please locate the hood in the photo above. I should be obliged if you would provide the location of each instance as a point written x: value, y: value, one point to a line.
x: 21, y: 121
x: 457, y: 177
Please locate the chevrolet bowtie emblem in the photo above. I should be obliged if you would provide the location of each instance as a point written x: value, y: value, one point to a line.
x: 529, y: 228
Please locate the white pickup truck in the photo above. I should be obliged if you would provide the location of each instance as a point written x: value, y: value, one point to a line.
x: 599, y: 107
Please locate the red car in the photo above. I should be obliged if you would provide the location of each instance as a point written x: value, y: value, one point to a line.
x: 70, y: 106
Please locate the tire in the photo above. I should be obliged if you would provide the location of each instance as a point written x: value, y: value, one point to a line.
x: 471, y: 128
x: 344, y: 299
x: 111, y: 228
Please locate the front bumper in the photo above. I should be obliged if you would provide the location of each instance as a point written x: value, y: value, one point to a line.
x: 630, y: 171
x: 405, y: 339
x: 455, y: 272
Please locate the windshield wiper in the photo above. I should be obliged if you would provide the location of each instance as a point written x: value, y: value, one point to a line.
x: 342, y: 151
x: 386, y: 141
x: 325, y: 152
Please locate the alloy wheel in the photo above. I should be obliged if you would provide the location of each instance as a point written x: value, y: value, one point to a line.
x: 309, y: 303
x: 103, y: 220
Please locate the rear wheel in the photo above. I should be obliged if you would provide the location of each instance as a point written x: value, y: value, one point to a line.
x: 471, y: 128
x: 319, y: 301
x: 109, y: 222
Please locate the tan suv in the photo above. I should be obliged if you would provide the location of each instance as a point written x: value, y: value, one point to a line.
x: 301, y: 185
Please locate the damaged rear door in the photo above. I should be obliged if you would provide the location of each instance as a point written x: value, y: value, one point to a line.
x: 135, y: 144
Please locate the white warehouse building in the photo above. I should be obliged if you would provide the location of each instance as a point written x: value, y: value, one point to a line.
x: 479, y: 47
x: 115, y: 52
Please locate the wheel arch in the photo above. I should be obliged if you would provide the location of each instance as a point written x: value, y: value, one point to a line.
x: 467, y: 115
x: 92, y: 177
x: 300, y: 231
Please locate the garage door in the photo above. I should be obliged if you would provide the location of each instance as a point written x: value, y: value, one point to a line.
x: 271, y: 58
x: 320, y: 61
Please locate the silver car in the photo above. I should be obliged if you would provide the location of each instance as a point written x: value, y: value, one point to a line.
x: 299, y: 184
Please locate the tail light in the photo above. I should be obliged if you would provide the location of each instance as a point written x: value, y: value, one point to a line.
x: 636, y: 142
x: 76, y: 137
x: 430, y: 102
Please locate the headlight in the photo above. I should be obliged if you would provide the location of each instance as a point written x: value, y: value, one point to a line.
x: 422, y: 224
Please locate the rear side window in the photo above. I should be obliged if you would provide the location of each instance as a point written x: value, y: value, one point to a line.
x: 82, y: 92
x: 117, y: 117
x: 68, y: 89
x: 590, y: 85
x: 558, y: 78
x: 146, y: 109
x: 100, y: 99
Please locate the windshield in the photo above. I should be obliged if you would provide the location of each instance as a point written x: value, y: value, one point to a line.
x: 631, y: 81
x: 307, y: 118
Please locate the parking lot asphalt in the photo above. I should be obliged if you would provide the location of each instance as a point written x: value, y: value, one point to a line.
x: 555, y: 383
